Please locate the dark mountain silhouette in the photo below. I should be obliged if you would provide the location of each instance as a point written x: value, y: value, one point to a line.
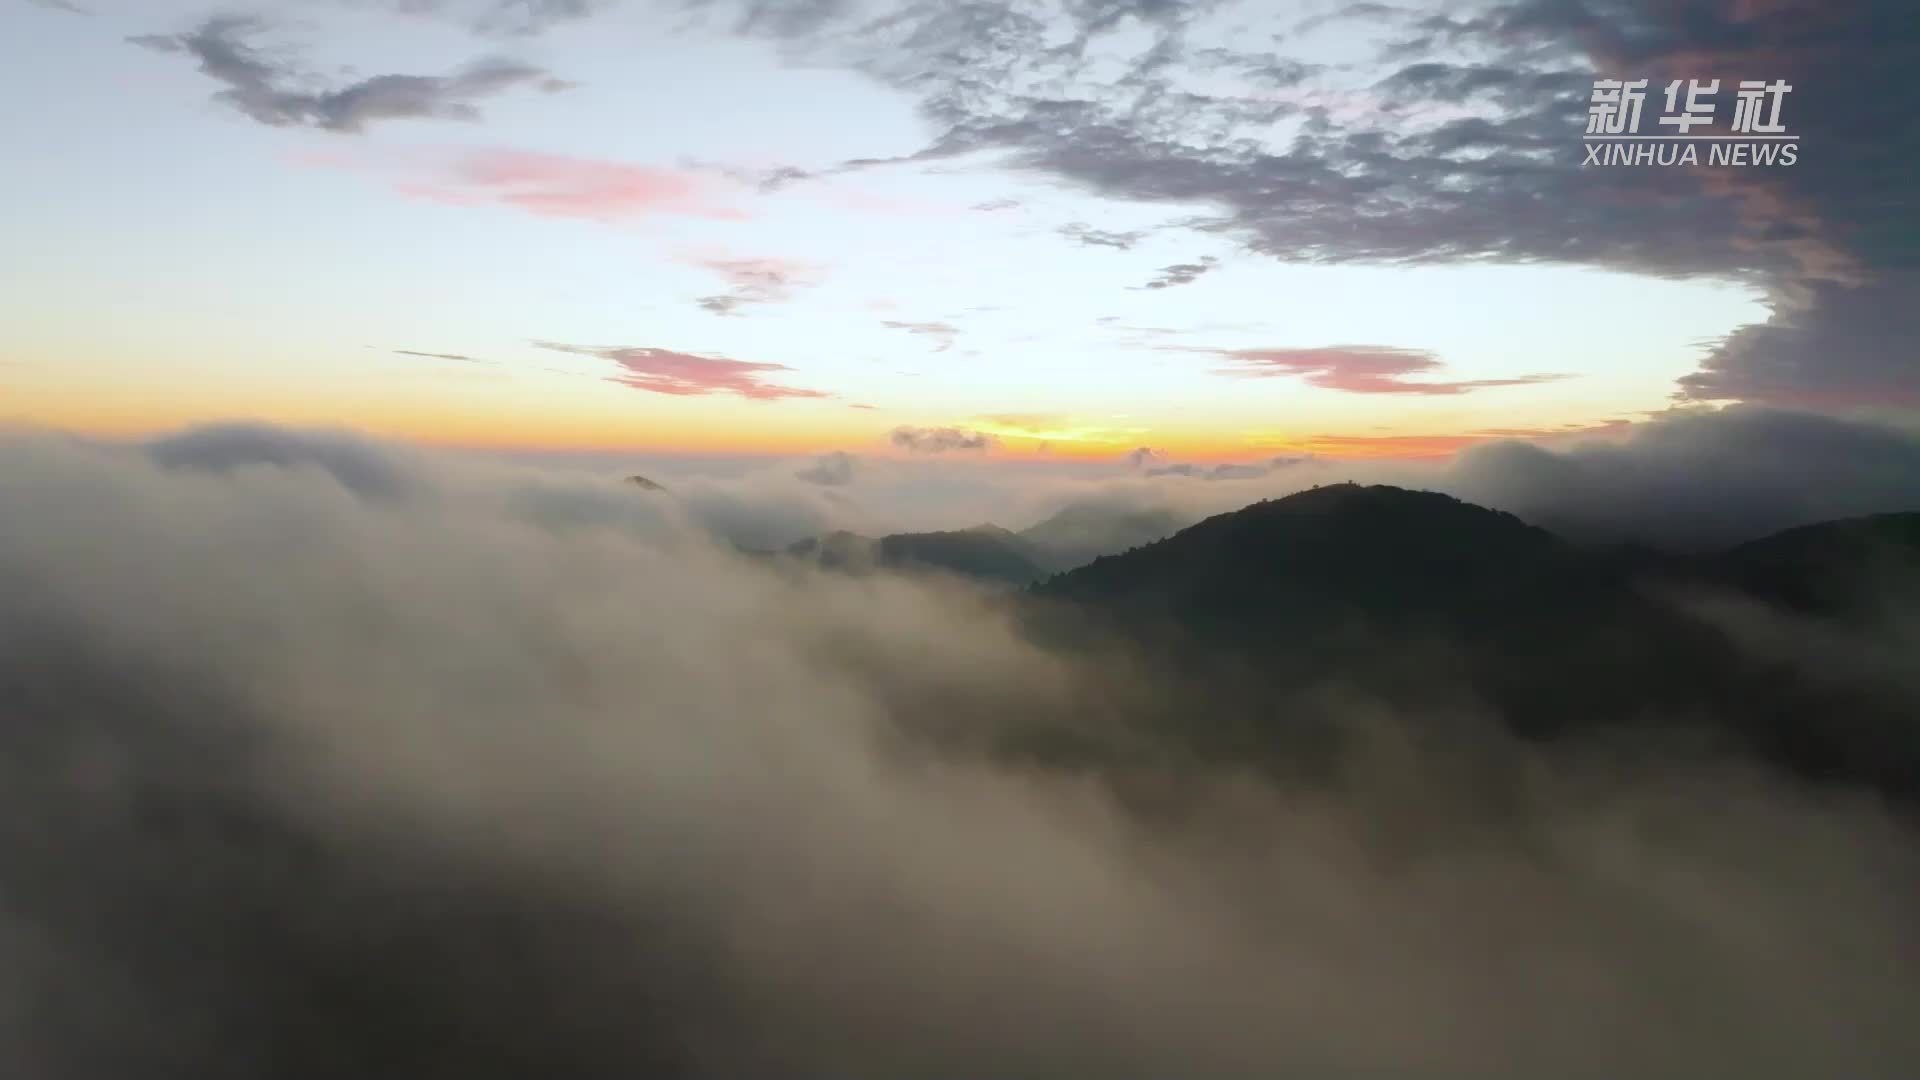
x: 993, y: 554
x: 1420, y: 598
x: 644, y: 484
x: 985, y: 553
x: 1850, y: 568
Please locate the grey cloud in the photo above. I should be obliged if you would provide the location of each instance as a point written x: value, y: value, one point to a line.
x: 67, y: 6
x: 829, y: 470
x: 1368, y: 189
x: 462, y: 357
x: 357, y: 464
x: 1832, y: 347
x: 272, y: 92
x: 1490, y: 172
x: 1182, y: 273
x: 533, y: 16
x: 1087, y: 236
x: 790, y: 18
x: 939, y: 440
x: 1227, y: 471
x: 942, y: 332
x: 754, y: 282
x: 722, y: 303
x: 765, y: 180
x: 1701, y: 479
x: 504, y: 18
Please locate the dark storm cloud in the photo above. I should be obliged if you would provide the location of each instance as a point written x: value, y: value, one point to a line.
x: 271, y: 91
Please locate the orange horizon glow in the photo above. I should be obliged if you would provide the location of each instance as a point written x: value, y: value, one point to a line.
x: 480, y: 432
x: 479, y: 411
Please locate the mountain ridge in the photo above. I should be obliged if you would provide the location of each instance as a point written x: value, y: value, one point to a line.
x: 1420, y: 597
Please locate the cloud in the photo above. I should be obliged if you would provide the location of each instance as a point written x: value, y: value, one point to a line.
x: 1701, y: 479
x: 1150, y: 462
x: 1683, y: 480
x: 663, y: 371
x: 754, y: 282
x: 535, y: 16
x: 488, y: 792
x: 1456, y: 143
x: 1087, y: 236
x: 505, y: 18
x: 1229, y: 470
x: 939, y: 440
x: 439, y: 356
x: 1394, y: 447
x: 1182, y: 273
x: 554, y: 185
x: 362, y: 467
x: 941, y: 332
x: 67, y: 6
x: 1031, y: 423
x: 1842, y: 220
x: 1836, y: 347
x: 829, y: 470
x: 273, y: 93
x: 1346, y: 178
x: 1357, y: 369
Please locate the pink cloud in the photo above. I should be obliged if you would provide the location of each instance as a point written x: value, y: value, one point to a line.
x: 549, y: 185
x: 1359, y: 369
x: 663, y: 371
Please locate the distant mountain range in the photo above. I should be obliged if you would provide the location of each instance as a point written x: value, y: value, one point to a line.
x: 991, y: 554
x: 984, y: 553
x: 1786, y: 645
x: 1421, y: 598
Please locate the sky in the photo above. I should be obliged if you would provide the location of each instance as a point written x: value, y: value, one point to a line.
x: 1075, y: 230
